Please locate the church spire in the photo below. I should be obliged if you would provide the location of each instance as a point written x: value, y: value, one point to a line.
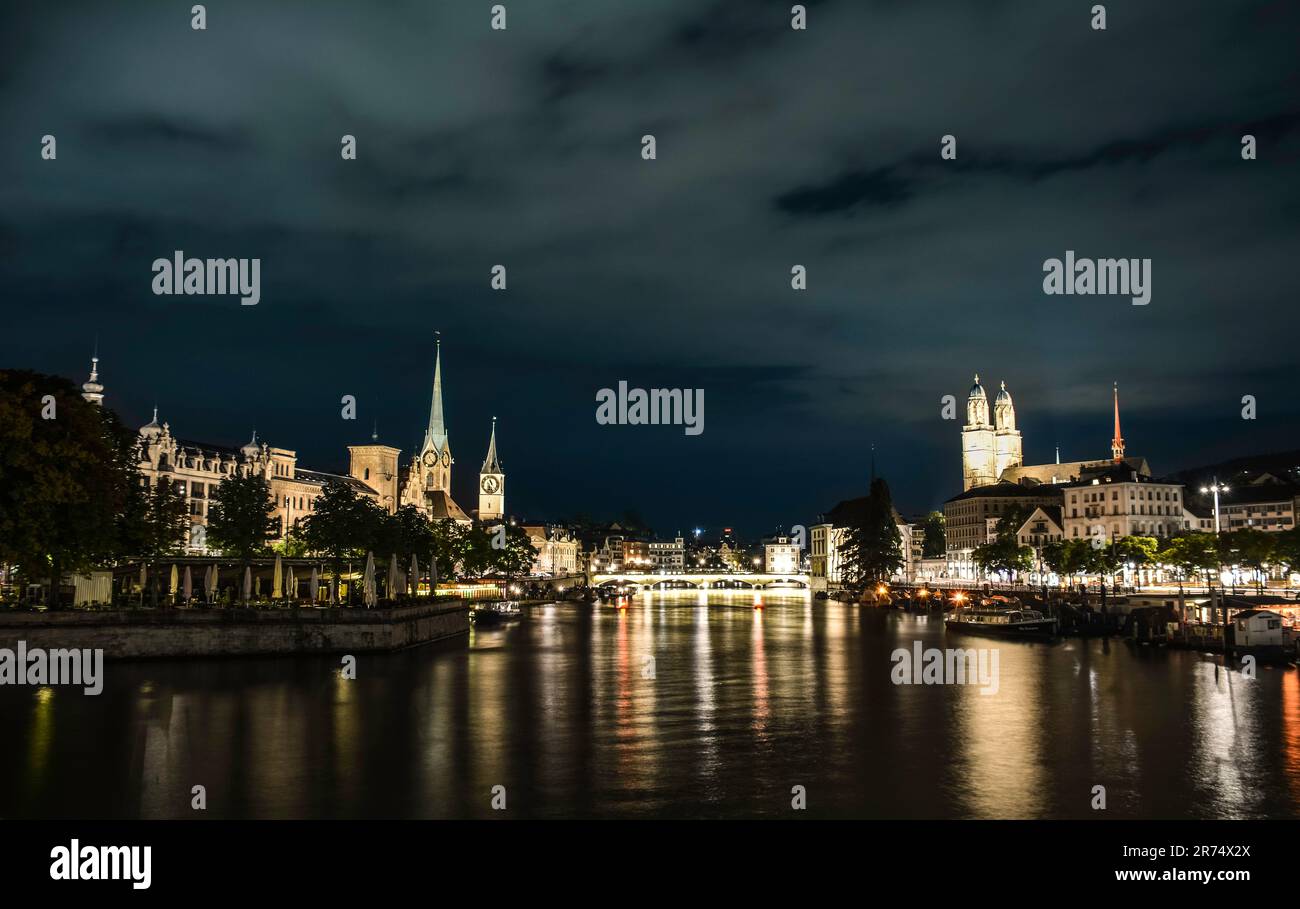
x: 436, y: 434
x: 91, y: 390
x: 490, y: 463
x: 1117, y: 443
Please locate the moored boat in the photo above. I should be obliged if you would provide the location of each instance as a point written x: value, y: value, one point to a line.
x: 1002, y: 621
x: 495, y: 613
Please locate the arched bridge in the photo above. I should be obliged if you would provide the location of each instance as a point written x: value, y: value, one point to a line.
x: 703, y: 581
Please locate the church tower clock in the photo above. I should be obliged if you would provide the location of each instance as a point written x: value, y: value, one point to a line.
x: 491, y: 483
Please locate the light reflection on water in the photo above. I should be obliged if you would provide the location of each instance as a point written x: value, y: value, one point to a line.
x: 565, y: 710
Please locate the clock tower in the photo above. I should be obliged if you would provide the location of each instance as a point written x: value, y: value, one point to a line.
x: 491, y: 483
x: 427, y: 483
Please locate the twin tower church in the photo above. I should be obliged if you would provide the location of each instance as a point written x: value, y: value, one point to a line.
x: 426, y: 481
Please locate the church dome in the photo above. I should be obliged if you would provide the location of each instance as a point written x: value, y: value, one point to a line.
x: 977, y: 390
x: 1004, y: 396
x: 151, y: 430
x: 252, y: 449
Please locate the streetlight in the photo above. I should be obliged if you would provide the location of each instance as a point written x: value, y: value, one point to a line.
x: 1216, y: 488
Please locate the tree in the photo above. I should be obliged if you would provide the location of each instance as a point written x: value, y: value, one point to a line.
x: 1068, y: 558
x: 1138, y: 551
x: 450, y: 546
x: 155, y: 526
x: 67, y: 472
x: 935, y: 545
x: 342, y: 526
x: 240, y: 517
x: 1191, y: 552
x: 873, y: 547
x: 407, y: 532
x: 1004, y: 554
x: 517, y: 554
x: 1253, y: 548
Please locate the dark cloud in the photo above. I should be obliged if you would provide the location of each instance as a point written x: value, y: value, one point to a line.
x: 775, y: 147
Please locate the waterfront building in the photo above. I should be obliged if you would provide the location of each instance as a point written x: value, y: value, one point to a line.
x: 557, y: 549
x: 780, y: 556
x: 971, y: 517
x: 1120, y: 502
x: 491, y: 483
x: 1265, y: 503
x: 196, y: 469
x: 826, y: 542
x: 668, y: 556
x: 1043, y: 526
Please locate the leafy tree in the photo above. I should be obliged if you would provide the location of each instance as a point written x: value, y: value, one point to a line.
x: 477, y: 555
x: 155, y: 525
x: 1136, y: 550
x: 343, y: 525
x: 516, y: 557
x: 1192, y: 552
x: 1287, y: 549
x: 935, y: 544
x: 65, y: 482
x: 1069, y: 558
x: 450, y: 547
x: 1253, y: 548
x: 873, y: 547
x: 240, y: 517
x: 1004, y: 554
x: 293, y: 546
x: 411, y: 533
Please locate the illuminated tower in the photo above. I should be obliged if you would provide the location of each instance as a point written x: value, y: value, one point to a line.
x: 1117, y: 443
x: 978, y: 451
x: 1008, y: 442
x: 491, y: 483
x: 434, y: 459
x: 92, y: 391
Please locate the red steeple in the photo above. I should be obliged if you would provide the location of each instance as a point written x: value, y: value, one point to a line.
x: 1117, y: 443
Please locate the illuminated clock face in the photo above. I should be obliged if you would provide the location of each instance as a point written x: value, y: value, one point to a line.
x: 430, y: 458
x: 490, y: 485
x: 446, y: 459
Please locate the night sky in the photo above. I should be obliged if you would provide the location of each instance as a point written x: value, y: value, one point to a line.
x: 775, y: 147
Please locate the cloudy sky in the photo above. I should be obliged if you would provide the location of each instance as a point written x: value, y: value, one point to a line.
x: 775, y: 147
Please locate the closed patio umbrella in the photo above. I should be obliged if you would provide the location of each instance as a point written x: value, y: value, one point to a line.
x: 187, y: 586
x: 414, y: 575
x: 368, y: 581
x: 393, y: 580
x: 248, y: 583
x: 144, y: 579
x: 291, y: 585
x: 277, y: 580
x: 210, y: 583
x: 314, y: 584
x: 433, y: 576
x: 175, y: 580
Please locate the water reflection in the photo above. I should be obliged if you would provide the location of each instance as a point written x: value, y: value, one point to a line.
x: 679, y: 704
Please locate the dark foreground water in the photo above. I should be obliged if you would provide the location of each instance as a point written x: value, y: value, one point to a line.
x: 742, y: 706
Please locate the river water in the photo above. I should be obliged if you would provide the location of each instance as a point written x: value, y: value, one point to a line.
x: 681, y: 705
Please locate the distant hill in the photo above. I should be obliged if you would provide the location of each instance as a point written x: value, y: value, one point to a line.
x: 1285, y: 465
